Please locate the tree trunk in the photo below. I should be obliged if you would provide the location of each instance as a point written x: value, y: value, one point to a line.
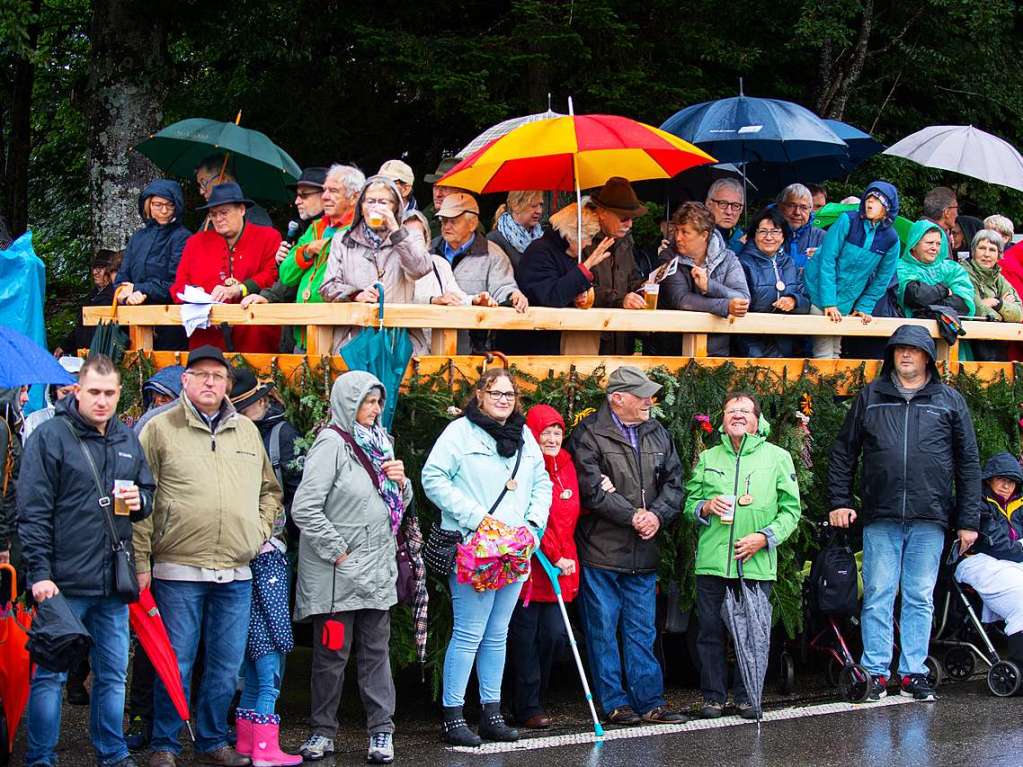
x: 127, y: 86
x: 839, y: 75
x: 19, y: 132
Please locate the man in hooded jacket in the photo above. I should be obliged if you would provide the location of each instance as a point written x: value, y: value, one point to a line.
x: 920, y: 475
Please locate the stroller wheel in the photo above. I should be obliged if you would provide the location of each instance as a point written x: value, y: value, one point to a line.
x: 1003, y: 679
x: 833, y: 672
x: 959, y: 663
x: 934, y: 675
x: 787, y: 673
x: 854, y: 683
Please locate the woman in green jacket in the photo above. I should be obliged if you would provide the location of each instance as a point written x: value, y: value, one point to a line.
x: 927, y: 277
x: 995, y: 298
x: 744, y: 497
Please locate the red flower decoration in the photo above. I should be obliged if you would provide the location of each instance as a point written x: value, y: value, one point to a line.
x: 703, y: 422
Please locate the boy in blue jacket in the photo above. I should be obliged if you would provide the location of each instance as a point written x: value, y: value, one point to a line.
x: 854, y: 265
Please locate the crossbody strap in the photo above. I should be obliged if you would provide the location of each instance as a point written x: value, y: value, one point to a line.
x: 359, y: 453
x: 504, y: 490
x: 102, y: 498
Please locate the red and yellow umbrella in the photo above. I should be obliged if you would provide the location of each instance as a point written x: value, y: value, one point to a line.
x: 574, y: 152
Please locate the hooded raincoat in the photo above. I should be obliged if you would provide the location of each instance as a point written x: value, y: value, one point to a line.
x: 918, y: 450
x: 989, y: 283
x: 942, y: 271
x: 1001, y: 521
x: 153, y: 253
x: 760, y: 470
x: 855, y: 262
x: 356, y: 262
x: 338, y: 509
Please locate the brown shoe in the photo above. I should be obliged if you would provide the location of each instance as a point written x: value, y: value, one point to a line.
x: 162, y: 759
x: 661, y: 715
x: 225, y: 756
x: 623, y: 715
x: 537, y: 722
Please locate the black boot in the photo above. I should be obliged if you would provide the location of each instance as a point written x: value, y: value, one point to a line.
x: 1015, y: 648
x: 455, y: 730
x: 493, y: 726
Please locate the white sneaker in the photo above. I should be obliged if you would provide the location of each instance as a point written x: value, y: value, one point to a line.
x: 316, y: 748
x: 381, y: 748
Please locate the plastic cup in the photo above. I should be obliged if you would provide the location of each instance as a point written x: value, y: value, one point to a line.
x: 729, y: 516
x: 375, y: 219
x: 650, y: 292
x: 120, y: 505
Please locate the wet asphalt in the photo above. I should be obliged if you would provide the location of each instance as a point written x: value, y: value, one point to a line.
x: 967, y: 726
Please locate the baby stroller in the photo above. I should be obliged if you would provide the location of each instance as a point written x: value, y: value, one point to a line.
x: 830, y: 601
x: 960, y: 631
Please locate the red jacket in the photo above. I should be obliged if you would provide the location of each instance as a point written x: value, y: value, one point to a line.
x: 1012, y: 270
x: 207, y: 262
x: 559, y: 539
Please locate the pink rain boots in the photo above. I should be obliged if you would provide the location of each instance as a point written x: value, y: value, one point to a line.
x: 243, y: 729
x: 266, y: 749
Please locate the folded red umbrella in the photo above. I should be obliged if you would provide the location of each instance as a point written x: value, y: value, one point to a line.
x: 15, y: 666
x: 152, y: 635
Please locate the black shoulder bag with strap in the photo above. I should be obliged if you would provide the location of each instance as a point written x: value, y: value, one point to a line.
x: 406, y: 582
x: 126, y: 582
x: 441, y: 546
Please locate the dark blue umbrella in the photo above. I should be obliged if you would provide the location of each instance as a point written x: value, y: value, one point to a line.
x: 384, y: 352
x: 24, y: 362
x: 862, y: 146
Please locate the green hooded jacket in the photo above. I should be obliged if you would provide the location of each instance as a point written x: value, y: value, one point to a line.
x: 942, y: 270
x: 764, y: 472
x: 989, y: 283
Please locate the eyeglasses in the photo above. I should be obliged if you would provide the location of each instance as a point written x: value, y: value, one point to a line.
x: 497, y: 396
x: 307, y: 195
x: 739, y: 411
x: 769, y: 232
x: 207, y: 377
x: 796, y: 206
x: 726, y: 205
x: 161, y: 205
x: 378, y: 201
x: 204, y: 182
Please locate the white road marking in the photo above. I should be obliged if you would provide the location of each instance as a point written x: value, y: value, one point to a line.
x: 695, y: 725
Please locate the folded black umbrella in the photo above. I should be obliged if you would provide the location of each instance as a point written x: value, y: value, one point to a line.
x: 57, y: 640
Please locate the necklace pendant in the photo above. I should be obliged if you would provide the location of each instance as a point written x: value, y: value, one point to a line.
x: 779, y: 286
x: 745, y: 500
x: 307, y: 294
x: 511, y: 484
x: 566, y: 494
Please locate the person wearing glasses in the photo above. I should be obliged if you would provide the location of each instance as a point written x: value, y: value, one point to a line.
x: 484, y: 465
x: 216, y: 169
x: 775, y: 284
x: 153, y: 253
x: 796, y: 203
x: 726, y: 200
x: 709, y: 277
x: 216, y: 501
x: 377, y: 248
x: 744, y: 498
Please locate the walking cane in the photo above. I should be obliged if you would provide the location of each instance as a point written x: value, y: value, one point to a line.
x: 553, y: 573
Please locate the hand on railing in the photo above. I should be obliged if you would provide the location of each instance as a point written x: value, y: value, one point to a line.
x: 633, y: 301
x: 253, y: 298
x: 785, y: 304
x: 737, y: 307
x: 832, y: 313
x: 865, y: 318
x: 483, y: 299
x: 367, y: 296
x: 519, y: 301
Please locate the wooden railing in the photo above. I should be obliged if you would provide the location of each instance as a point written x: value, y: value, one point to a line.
x: 582, y: 325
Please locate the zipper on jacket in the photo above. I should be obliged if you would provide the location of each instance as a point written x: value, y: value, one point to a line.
x: 905, y: 467
x: 730, y: 554
x: 642, y: 489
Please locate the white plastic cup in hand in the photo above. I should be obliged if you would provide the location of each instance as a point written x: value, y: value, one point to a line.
x: 729, y: 516
x: 121, y: 487
x: 374, y: 218
x: 651, y: 291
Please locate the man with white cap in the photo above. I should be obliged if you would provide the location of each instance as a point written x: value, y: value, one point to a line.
x: 617, y: 544
x: 480, y: 267
x: 401, y: 174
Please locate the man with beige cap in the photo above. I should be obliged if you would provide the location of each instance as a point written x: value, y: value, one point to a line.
x: 401, y: 174
x: 479, y: 265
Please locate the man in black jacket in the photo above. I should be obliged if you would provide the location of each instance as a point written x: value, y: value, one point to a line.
x: 920, y: 475
x: 66, y: 545
x: 616, y: 539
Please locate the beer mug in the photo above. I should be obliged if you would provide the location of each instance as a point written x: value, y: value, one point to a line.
x: 120, y: 505
x: 650, y: 292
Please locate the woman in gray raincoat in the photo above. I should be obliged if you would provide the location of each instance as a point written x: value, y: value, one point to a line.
x: 346, y: 560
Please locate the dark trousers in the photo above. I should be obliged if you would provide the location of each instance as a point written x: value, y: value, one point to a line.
x: 140, y: 696
x: 371, y: 632
x: 710, y: 644
x: 536, y: 636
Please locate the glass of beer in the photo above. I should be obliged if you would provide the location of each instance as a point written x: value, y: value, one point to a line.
x: 374, y: 218
x: 120, y: 505
x: 729, y: 516
x: 650, y: 292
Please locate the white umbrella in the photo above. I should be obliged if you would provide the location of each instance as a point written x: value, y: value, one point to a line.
x: 507, y: 126
x: 966, y: 150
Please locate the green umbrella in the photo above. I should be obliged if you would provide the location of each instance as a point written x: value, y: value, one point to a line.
x: 261, y: 167
x: 827, y: 215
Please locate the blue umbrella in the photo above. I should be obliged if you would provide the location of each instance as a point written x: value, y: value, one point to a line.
x: 24, y: 362
x: 862, y: 146
x: 384, y: 352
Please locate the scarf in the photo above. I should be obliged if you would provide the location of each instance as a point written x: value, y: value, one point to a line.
x: 508, y: 435
x: 517, y: 235
x: 372, y: 237
x: 377, y: 445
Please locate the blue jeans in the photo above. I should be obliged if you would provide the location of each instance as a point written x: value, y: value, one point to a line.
x: 480, y: 624
x: 262, y: 683
x: 106, y: 619
x: 219, y: 612
x: 899, y: 557
x: 611, y: 601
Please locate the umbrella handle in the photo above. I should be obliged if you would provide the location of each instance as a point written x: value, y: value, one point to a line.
x: 380, y: 298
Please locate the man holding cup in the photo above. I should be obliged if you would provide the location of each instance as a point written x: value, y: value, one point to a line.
x: 744, y: 496
x: 84, y: 480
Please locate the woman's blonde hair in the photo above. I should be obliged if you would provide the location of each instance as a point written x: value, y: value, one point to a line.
x: 517, y: 201
x: 565, y: 224
x: 1000, y: 224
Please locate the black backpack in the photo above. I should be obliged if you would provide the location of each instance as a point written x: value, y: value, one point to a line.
x: 833, y: 579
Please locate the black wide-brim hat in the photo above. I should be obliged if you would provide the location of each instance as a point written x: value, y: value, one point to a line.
x: 247, y: 390
x: 226, y: 194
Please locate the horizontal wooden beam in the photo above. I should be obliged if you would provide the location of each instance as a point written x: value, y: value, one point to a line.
x: 540, y: 318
